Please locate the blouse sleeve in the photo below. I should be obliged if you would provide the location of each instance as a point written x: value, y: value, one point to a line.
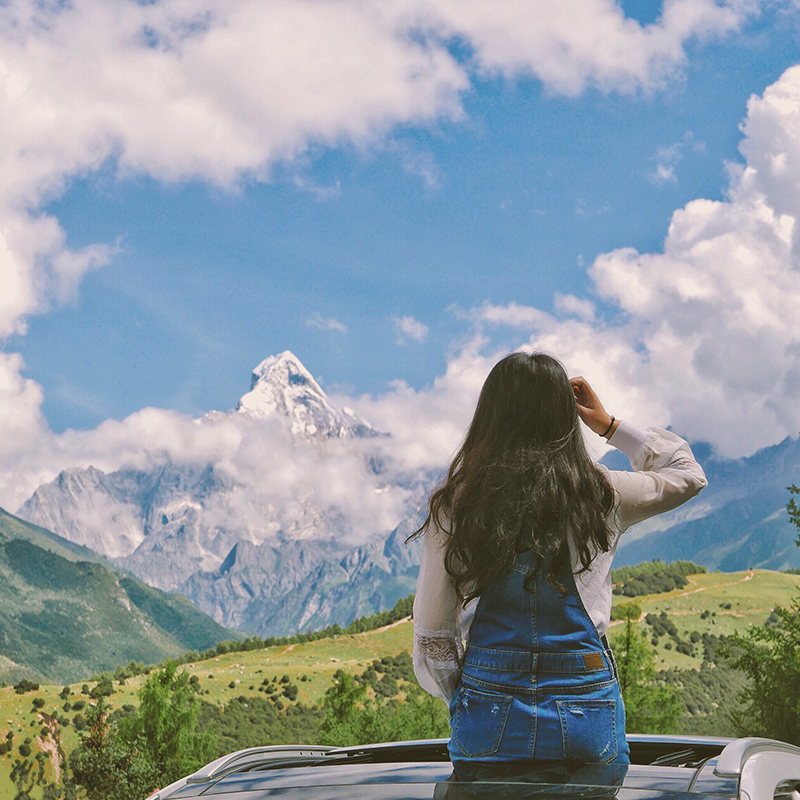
x: 666, y: 474
x: 438, y: 647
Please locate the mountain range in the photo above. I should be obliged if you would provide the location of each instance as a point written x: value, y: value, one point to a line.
x: 265, y: 560
x: 738, y: 522
x: 279, y: 549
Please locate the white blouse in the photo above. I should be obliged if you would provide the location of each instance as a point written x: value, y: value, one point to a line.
x: 666, y: 475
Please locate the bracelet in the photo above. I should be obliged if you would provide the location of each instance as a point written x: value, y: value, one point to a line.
x: 610, y: 426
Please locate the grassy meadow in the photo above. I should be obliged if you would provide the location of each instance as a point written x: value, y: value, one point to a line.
x: 731, y: 601
x: 715, y: 603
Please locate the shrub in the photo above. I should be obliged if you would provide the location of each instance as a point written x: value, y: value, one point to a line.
x: 103, y: 688
x: 290, y: 691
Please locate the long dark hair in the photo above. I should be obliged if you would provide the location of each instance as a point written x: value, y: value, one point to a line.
x: 521, y: 481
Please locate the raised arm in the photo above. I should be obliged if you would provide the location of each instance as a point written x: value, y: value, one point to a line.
x: 667, y: 473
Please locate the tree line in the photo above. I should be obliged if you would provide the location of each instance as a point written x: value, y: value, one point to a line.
x: 653, y: 577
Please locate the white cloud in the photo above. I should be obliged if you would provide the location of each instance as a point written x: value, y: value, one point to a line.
x: 584, y: 42
x: 410, y: 328
x: 426, y: 425
x: 321, y: 193
x: 316, y: 320
x: 574, y: 306
x: 268, y: 468
x: 706, y: 339
x: 667, y: 159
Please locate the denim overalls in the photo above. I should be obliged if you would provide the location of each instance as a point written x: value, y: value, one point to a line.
x: 537, y: 681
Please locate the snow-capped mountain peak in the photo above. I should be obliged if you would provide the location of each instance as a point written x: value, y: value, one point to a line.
x: 282, y: 385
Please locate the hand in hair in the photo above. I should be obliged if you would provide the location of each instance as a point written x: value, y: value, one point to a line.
x: 590, y: 409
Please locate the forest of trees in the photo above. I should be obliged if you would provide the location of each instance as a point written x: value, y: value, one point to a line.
x: 653, y: 577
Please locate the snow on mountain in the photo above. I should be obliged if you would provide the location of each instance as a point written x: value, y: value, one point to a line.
x: 282, y: 385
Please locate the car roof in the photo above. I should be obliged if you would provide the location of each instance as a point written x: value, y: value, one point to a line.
x: 668, y: 767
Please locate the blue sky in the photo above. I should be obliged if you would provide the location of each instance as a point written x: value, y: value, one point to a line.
x: 499, y: 181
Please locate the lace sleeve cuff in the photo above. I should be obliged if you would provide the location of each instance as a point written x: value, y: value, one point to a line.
x: 440, y: 649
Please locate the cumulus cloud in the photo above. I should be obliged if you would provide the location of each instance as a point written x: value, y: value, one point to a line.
x: 223, y: 90
x: 427, y: 425
x: 410, y: 328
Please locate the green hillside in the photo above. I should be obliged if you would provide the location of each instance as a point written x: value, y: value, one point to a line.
x: 63, y: 617
x: 713, y: 604
x: 12, y: 527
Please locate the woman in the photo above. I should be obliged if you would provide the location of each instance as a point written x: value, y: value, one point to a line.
x: 522, y: 533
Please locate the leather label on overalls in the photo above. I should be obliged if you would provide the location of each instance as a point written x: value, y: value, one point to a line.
x: 593, y: 661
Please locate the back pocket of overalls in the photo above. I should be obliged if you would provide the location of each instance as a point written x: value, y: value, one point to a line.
x: 588, y: 729
x: 479, y: 721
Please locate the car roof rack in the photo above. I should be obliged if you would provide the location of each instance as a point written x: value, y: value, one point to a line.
x: 256, y: 755
x: 649, y: 748
x: 761, y: 765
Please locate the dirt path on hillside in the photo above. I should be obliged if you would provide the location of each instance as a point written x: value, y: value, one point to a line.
x: 51, y: 744
x: 287, y: 649
x: 391, y: 625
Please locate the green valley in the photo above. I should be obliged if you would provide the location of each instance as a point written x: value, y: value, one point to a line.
x: 65, y: 612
